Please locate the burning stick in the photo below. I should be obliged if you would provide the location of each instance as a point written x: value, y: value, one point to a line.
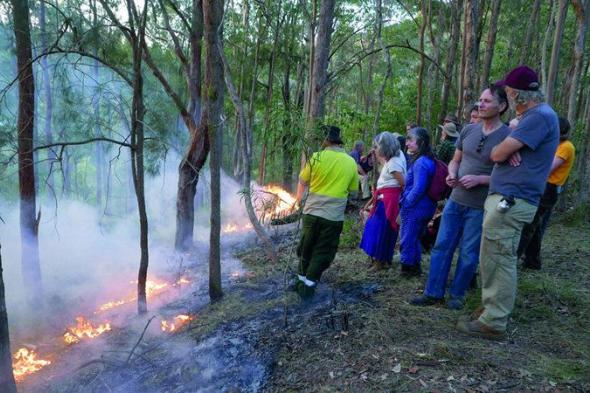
x: 178, y: 322
x: 25, y: 362
x: 84, y: 329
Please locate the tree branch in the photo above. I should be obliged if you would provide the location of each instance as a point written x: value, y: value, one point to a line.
x: 84, y: 142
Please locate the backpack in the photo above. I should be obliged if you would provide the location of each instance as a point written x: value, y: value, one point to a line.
x: 438, y: 189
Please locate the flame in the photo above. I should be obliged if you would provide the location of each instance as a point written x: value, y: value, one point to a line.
x: 84, y: 329
x: 25, y: 362
x: 229, y: 228
x: 151, y: 288
x: 178, y: 322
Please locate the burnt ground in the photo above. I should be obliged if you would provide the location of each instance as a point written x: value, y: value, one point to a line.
x: 359, y: 334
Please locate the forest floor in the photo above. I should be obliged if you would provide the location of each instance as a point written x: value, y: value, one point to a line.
x: 359, y: 334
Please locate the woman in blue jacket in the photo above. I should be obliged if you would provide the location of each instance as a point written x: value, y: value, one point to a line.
x: 417, y: 208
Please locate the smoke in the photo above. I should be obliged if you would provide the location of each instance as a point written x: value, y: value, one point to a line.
x: 88, y: 257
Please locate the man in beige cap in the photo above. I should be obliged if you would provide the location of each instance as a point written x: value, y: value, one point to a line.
x: 446, y: 148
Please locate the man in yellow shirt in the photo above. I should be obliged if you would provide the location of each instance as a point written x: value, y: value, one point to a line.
x: 529, y: 247
x: 329, y: 176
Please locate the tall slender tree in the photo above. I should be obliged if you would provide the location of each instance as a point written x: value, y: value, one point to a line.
x: 562, y: 6
x: 29, y: 220
x: 7, y: 383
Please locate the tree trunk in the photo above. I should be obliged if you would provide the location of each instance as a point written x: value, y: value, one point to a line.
x: 194, y: 85
x: 239, y: 107
x: 269, y: 94
x: 422, y: 61
x: 531, y: 26
x: 582, y: 9
x: 470, y: 46
x: 137, y: 162
x: 7, y: 383
x: 29, y: 221
x: 319, y: 76
x: 51, y: 156
x: 557, y: 39
x: 490, y: 44
x: 211, y: 119
x: 456, y: 12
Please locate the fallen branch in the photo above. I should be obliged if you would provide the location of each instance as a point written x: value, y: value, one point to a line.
x: 139, y: 340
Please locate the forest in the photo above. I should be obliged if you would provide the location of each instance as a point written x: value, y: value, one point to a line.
x: 150, y: 153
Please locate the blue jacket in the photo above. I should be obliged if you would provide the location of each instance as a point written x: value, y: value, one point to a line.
x: 418, y: 180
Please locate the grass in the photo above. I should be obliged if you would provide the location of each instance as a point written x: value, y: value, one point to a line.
x: 393, y: 346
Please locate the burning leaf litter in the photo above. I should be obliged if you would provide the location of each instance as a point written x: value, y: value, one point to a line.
x: 176, y: 323
x: 84, y: 330
x: 25, y: 362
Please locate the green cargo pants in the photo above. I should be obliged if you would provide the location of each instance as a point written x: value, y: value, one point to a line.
x: 318, y: 245
x: 499, y: 243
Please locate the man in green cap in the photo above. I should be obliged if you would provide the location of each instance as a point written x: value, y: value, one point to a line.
x: 328, y: 176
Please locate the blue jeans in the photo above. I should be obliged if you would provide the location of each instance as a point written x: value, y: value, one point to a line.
x: 460, y: 226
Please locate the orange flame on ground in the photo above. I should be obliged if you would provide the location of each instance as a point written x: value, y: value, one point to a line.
x: 25, y: 362
x: 151, y: 288
x: 84, y: 329
x: 178, y: 322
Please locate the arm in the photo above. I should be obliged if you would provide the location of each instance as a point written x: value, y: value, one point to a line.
x: 301, y: 186
x: 400, y: 178
x: 470, y: 181
x: 507, y: 149
x: 454, y: 168
x: 557, y: 162
x: 422, y: 177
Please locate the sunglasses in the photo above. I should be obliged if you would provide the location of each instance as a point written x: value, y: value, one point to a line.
x: 481, y: 143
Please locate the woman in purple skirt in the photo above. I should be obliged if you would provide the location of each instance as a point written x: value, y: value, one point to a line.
x: 381, y: 229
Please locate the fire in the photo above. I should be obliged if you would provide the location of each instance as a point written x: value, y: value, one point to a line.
x: 285, y: 201
x: 178, y: 322
x: 151, y: 288
x: 25, y: 362
x: 229, y: 228
x: 84, y: 329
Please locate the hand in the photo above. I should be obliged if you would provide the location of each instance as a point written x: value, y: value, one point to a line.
x: 451, y: 180
x: 515, y: 159
x: 469, y: 181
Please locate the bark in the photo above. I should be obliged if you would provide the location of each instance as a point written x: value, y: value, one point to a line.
x: 319, y: 75
x: 51, y: 156
x: 194, y: 83
x: 29, y: 221
x: 211, y: 119
x: 137, y: 151
x: 456, y: 11
x: 420, y: 81
x: 7, y: 383
x: 470, y: 48
x: 547, y: 37
x: 490, y: 44
x: 531, y: 27
x: 582, y: 9
x: 269, y: 94
x: 557, y: 39
x: 98, y: 147
x: 287, y: 164
x: 239, y: 107
x: 388, y: 70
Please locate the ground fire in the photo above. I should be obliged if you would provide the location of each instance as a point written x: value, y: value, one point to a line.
x: 178, y: 322
x: 84, y: 330
x: 25, y: 362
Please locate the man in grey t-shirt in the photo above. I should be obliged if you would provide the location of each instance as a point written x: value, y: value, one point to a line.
x: 469, y: 175
x: 523, y: 161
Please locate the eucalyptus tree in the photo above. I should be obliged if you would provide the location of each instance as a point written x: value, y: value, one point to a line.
x: 7, y: 383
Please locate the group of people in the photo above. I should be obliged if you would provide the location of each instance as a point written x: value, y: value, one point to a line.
x: 505, y: 180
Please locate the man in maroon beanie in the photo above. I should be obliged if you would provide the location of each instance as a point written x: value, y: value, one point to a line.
x: 523, y: 161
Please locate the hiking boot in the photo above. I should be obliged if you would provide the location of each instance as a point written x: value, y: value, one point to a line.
x: 456, y: 303
x: 377, y: 266
x: 531, y: 264
x: 306, y: 292
x: 410, y: 271
x: 473, y: 282
x: 477, y: 329
x: 425, y: 300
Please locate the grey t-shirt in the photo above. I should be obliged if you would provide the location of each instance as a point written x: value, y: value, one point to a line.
x: 474, y: 162
x: 538, y: 130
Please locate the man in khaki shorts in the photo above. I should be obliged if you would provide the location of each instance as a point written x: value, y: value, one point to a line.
x: 523, y: 161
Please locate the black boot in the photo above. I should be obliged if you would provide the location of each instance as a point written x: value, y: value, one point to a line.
x: 410, y: 271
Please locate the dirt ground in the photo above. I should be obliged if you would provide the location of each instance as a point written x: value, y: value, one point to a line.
x: 390, y: 345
